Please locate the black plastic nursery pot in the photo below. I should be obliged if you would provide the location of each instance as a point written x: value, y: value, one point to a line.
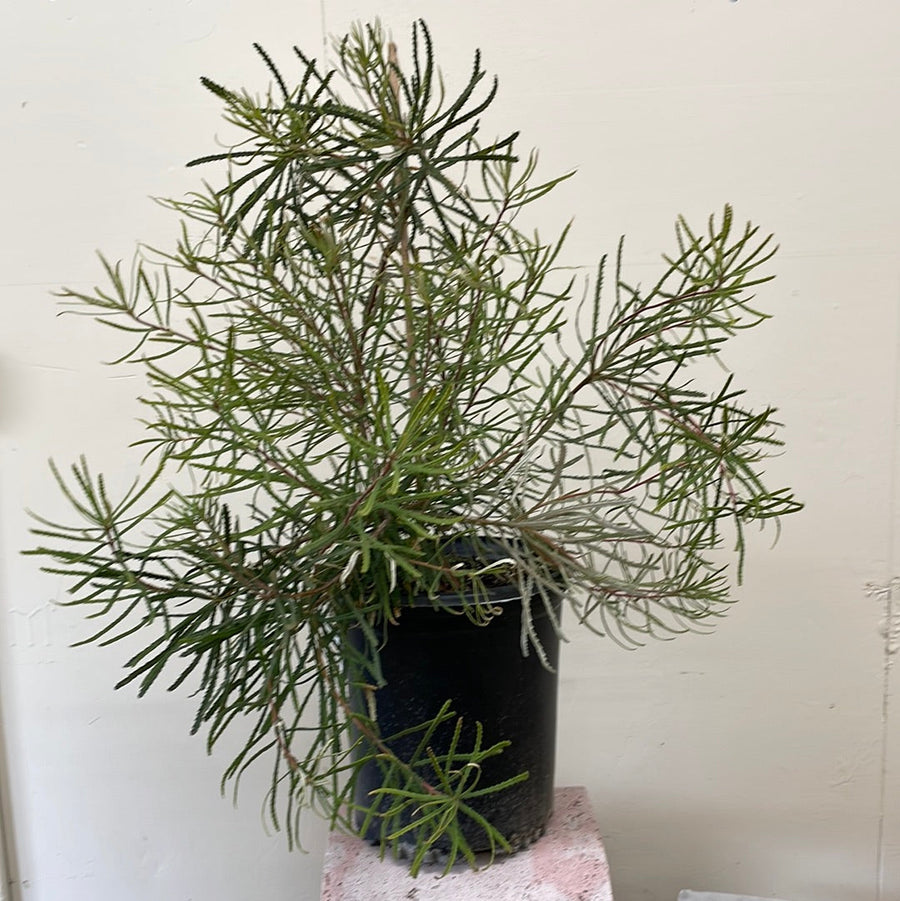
x: 432, y: 655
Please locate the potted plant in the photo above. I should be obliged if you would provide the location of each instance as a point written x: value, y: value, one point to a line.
x: 378, y: 410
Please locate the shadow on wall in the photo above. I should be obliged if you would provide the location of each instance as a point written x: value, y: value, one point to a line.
x: 693, y: 843
x: 687, y: 895
x: 8, y: 871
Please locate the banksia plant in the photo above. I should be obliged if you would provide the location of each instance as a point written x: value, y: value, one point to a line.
x: 354, y: 359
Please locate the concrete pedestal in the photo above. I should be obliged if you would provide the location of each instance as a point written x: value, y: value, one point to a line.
x: 567, y: 864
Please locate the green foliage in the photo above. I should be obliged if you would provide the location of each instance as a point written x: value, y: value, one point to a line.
x: 354, y: 356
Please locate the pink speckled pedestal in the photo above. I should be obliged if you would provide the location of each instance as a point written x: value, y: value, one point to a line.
x: 567, y: 864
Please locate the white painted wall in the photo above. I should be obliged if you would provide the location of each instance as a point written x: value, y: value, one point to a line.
x: 764, y: 759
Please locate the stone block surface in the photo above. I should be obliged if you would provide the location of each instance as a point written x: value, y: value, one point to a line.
x: 567, y: 864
